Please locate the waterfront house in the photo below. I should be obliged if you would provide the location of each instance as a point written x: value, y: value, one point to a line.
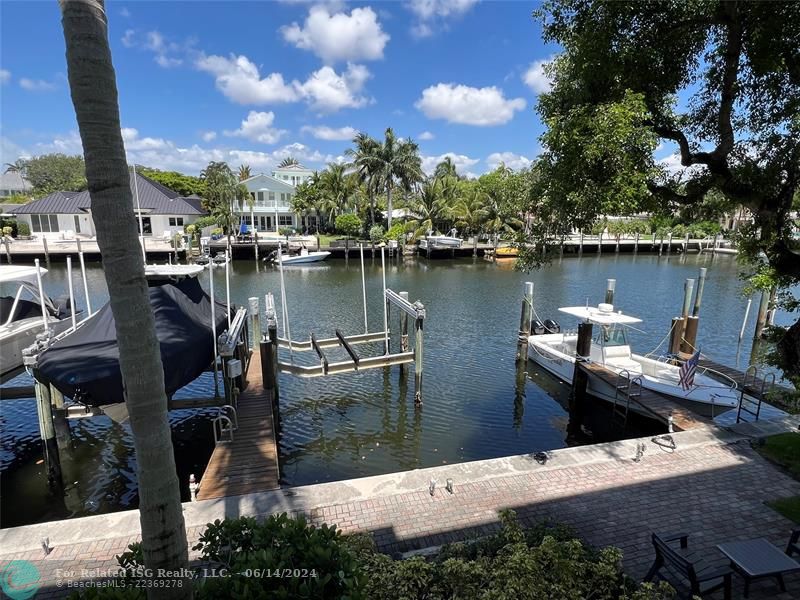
x: 12, y: 184
x: 164, y: 212
x: 271, y: 196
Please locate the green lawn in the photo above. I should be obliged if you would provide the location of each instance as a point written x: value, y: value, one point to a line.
x: 784, y: 450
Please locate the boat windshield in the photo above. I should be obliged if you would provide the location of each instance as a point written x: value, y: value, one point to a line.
x: 611, y: 335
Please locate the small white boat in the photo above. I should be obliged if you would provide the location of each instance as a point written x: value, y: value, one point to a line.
x: 21, y: 318
x: 304, y: 257
x: 555, y: 351
x: 172, y: 272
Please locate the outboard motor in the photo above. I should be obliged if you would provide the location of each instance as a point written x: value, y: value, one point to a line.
x: 62, y: 305
x: 551, y: 326
x: 537, y: 327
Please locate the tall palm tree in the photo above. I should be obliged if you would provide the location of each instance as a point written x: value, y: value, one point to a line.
x: 446, y: 168
x: 470, y: 213
x: 430, y: 208
x: 366, y: 164
x: 93, y: 87
x: 244, y: 172
x: 398, y: 164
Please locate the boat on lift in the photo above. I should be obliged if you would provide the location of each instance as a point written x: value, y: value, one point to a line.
x: 171, y: 272
x: 555, y: 351
x: 22, y: 317
x: 305, y: 257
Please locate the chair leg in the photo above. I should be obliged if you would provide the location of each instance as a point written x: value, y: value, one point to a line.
x: 781, y: 584
x: 657, y: 564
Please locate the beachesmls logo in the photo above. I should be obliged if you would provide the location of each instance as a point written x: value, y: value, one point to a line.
x: 19, y: 579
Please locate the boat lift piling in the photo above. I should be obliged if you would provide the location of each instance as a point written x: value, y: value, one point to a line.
x: 85, y: 284
x: 403, y: 331
x: 693, y: 320
x: 71, y: 293
x: 525, y: 323
x: 8, y: 249
x: 580, y: 378
x: 679, y: 323
x: 364, y: 288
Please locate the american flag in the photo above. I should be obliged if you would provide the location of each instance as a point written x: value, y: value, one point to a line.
x: 688, y: 369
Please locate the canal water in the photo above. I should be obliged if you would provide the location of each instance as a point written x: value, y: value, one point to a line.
x: 353, y: 425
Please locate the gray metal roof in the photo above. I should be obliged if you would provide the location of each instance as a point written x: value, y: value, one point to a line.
x: 154, y: 198
x: 12, y: 180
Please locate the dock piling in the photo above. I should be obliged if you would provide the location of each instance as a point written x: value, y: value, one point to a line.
x: 403, y: 330
x: 8, y: 250
x: 580, y: 379
x: 85, y: 285
x: 255, y: 317
x: 525, y: 322
x: 46, y: 251
x: 418, y: 361
x: 636, y: 244
x: 611, y: 285
x: 761, y: 319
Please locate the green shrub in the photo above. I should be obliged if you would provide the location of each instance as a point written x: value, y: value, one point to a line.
x: 8, y: 230
x: 286, y: 231
x: 23, y: 229
x: 377, y: 233
x: 201, y: 223
x: 397, y: 232
x: 348, y: 225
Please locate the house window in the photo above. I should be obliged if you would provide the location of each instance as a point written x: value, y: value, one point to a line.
x: 77, y: 224
x: 44, y: 223
x: 261, y: 198
x: 176, y: 221
x: 285, y: 220
x: 283, y: 199
x: 147, y: 226
x: 272, y: 198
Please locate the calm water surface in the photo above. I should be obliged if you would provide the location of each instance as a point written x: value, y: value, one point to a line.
x: 366, y: 423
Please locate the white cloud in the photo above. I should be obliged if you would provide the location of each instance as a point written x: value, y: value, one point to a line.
x: 165, y: 52
x: 36, y: 85
x: 535, y: 77
x: 513, y: 161
x: 125, y: 13
x: 461, y: 162
x: 129, y: 39
x: 167, y: 62
x: 238, y: 78
x: 323, y: 132
x: 326, y: 91
x: 338, y: 36
x: 432, y: 15
x: 426, y: 135
x: 208, y: 136
x: 5, y: 75
x: 468, y: 105
x: 258, y: 127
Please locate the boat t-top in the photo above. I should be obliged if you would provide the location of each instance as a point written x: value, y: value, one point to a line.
x: 26, y: 314
x: 555, y: 351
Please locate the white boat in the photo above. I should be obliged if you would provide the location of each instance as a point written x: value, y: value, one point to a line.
x: 220, y: 259
x: 304, y: 257
x: 172, y: 272
x: 21, y: 318
x: 555, y: 351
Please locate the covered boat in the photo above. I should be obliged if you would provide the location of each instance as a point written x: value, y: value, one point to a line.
x: 84, y: 365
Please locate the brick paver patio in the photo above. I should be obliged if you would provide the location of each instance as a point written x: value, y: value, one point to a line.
x: 715, y: 492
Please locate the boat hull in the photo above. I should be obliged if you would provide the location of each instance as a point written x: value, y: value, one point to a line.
x: 303, y: 259
x: 20, y: 335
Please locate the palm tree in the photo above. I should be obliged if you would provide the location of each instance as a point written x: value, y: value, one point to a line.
x: 398, y: 163
x: 430, y: 206
x: 470, y: 213
x: 94, y: 95
x: 366, y: 164
x: 289, y: 161
x: 446, y: 168
x: 244, y: 172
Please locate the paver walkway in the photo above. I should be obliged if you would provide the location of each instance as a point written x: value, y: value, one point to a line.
x: 715, y: 492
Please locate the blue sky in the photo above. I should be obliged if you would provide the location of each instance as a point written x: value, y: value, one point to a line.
x: 253, y: 82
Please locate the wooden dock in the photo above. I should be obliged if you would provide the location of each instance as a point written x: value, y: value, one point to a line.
x: 660, y: 407
x: 249, y: 463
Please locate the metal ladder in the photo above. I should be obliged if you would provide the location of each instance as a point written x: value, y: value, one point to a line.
x: 752, y: 380
x: 625, y: 389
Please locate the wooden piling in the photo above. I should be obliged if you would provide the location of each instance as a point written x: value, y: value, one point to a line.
x: 669, y: 242
x: 580, y: 379
x: 47, y: 431
x: 636, y: 244
x: 525, y: 323
x: 272, y: 333
x: 693, y: 321
x: 772, y: 308
x: 686, y: 244
x: 580, y: 247
x: 8, y: 250
x: 46, y: 251
x: 676, y: 331
x: 600, y: 243
x: 611, y: 285
x: 761, y: 319
x: 78, y: 243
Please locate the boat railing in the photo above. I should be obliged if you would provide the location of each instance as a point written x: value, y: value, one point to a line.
x: 701, y: 370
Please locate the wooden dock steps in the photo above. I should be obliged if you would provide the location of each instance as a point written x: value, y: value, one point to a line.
x: 660, y: 407
x: 249, y: 463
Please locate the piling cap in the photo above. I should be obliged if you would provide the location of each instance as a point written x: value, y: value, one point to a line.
x: 191, y: 478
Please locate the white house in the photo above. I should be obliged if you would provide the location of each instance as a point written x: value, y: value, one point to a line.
x: 161, y: 211
x: 12, y: 183
x: 271, y: 196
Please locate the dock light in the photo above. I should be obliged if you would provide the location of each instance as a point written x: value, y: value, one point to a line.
x: 449, y: 486
x: 432, y: 487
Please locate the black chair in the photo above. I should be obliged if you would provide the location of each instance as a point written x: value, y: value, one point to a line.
x: 793, y: 545
x: 703, y: 579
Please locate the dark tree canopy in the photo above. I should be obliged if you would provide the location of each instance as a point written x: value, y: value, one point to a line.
x: 720, y: 80
x: 50, y: 173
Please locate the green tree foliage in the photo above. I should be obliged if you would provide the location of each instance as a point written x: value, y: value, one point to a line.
x: 16, y: 199
x: 470, y: 213
x: 50, y: 173
x: 223, y: 191
x: 185, y: 185
x: 244, y: 172
x: 289, y: 161
x: 349, y: 225
x: 613, y: 99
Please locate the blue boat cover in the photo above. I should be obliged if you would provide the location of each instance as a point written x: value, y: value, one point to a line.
x: 85, y: 364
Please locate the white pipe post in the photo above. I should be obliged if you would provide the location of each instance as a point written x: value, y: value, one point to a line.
x: 364, y: 289
x: 41, y: 293
x: 71, y: 293
x: 213, y: 324
x: 746, y: 314
x: 385, y: 315
x: 284, y: 308
x: 85, y: 285
x: 139, y: 210
x: 228, y: 287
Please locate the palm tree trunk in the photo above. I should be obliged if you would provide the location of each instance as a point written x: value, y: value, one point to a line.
x: 94, y: 95
x: 371, y: 207
x: 389, y: 205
